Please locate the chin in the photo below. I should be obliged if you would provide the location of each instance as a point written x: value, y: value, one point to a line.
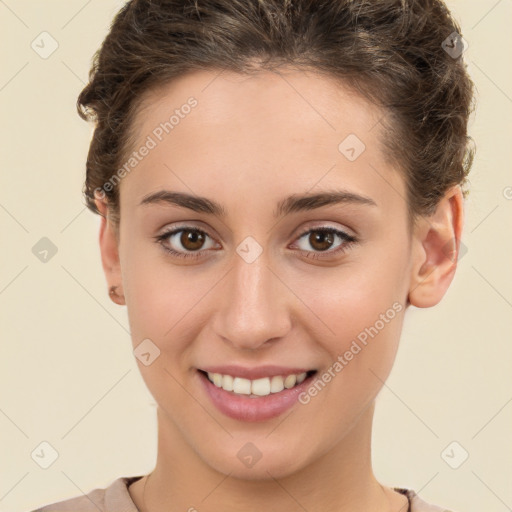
x: 258, y: 460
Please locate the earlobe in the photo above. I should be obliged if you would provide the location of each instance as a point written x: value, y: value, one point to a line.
x: 109, y: 249
x: 436, y: 249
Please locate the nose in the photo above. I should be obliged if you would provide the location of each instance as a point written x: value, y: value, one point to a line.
x: 252, y: 305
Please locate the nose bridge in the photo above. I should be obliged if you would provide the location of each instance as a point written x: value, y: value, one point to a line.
x: 252, y: 310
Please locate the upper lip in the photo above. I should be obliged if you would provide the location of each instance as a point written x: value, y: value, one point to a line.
x: 255, y: 372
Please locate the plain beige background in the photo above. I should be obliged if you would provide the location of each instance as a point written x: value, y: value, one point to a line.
x: 68, y: 375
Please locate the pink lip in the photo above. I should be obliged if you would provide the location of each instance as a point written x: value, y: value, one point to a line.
x: 255, y: 373
x: 245, y: 408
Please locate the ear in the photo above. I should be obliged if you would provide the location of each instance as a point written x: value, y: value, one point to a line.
x: 436, y: 249
x: 109, y: 248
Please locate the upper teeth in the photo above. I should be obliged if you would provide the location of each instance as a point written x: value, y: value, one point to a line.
x: 258, y: 387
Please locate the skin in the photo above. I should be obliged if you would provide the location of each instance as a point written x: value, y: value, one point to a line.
x: 249, y: 143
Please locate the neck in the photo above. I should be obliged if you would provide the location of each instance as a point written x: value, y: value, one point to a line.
x: 340, y: 480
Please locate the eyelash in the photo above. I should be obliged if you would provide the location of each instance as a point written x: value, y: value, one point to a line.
x: 347, y: 239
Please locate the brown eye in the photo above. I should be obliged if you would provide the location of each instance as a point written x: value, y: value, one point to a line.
x: 185, y: 242
x: 321, y: 240
x: 192, y: 240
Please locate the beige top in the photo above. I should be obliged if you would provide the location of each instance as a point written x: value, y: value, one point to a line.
x: 116, y: 498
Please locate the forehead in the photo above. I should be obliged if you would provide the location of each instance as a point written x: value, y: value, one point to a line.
x: 272, y: 131
x: 260, y: 100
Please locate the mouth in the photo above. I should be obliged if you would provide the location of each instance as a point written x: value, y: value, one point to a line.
x: 255, y: 388
x: 256, y: 399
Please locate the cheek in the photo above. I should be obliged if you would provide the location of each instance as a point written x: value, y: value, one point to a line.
x: 160, y: 307
x: 353, y: 297
x: 365, y: 317
x: 157, y: 307
x: 156, y: 298
x: 361, y: 307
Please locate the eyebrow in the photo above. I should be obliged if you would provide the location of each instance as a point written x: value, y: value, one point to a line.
x: 292, y: 204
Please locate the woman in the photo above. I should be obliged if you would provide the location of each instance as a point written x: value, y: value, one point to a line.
x: 278, y: 182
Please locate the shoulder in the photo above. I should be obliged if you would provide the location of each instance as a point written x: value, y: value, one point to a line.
x: 114, y: 498
x: 417, y: 504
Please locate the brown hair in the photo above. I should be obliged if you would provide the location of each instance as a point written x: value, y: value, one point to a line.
x: 390, y: 51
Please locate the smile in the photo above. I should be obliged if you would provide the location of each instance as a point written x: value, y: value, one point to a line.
x: 256, y: 394
x: 258, y: 387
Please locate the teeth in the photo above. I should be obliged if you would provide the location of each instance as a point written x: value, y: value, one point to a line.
x: 261, y: 387
x: 241, y: 386
x: 301, y: 377
x: 276, y: 384
x: 290, y: 381
x: 217, y: 379
x: 257, y: 387
x: 227, y: 382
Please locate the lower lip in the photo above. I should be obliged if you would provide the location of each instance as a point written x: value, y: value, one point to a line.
x: 244, y: 408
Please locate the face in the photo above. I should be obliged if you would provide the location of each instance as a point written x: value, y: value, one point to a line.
x: 253, y: 276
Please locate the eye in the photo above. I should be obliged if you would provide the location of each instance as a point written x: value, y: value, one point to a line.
x: 184, y: 242
x: 190, y: 242
x: 322, y: 239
